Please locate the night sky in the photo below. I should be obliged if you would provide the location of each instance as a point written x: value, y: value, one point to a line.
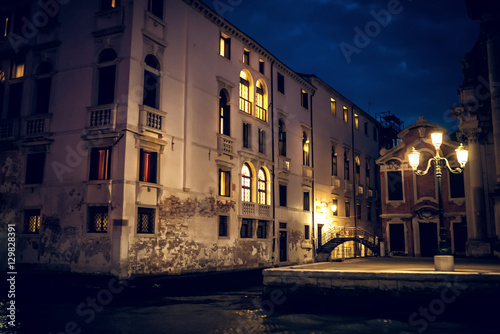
x: 410, y: 64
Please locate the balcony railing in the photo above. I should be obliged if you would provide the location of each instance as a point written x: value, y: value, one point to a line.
x: 261, y: 113
x: 307, y: 172
x: 251, y: 209
x: 264, y: 211
x: 248, y: 209
x: 284, y: 164
x: 151, y: 119
x: 102, y: 117
x: 225, y: 144
x: 245, y: 106
x: 36, y: 125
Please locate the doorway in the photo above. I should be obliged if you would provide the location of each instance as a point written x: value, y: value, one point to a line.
x: 320, y: 231
x: 397, y: 239
x: 428, y: 239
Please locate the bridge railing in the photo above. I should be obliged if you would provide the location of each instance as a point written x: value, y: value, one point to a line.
x: 339, y: 233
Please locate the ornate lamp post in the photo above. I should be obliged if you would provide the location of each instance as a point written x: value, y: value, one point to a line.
x: 443, y: 261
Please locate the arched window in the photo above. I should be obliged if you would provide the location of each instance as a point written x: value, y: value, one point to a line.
x: 43, y: 85
x: 281, y: 138
x: 262, y: 187
x: 334, y: 162
x: 367, y: 173
x: 358, y: 169
x: 260, y: 110
x: 106, y: 76
x: 346, y: 166
x: 246, y: 183
x: 305, y: 149
x: 224, y: 113
x: 245, y: 104
x: 151, y: 82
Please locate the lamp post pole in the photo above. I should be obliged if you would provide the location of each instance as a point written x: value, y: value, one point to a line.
x: 443, y: 244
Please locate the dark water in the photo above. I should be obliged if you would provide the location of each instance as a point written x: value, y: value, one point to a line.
x: 206, y: 306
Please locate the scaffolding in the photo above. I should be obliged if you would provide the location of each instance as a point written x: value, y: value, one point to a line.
x: 391, y: 126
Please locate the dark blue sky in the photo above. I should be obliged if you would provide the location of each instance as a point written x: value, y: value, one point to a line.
x: 411, y: 65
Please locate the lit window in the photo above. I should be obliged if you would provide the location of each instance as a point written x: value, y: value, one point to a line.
x: 97, y: 219
x: 262, y: 229
x: 246, y: 135
x: 261, y: 66
x: 147, y: 166
x: 334, y: 162
x: 42, y: 88
x: 106, y: 77
x: 346, y: 114
x: 100, y: 163
x: 224, y: 183
x: 306, y: 201
x: 223, y: 226
x: 246, y: 228
x: 35, y: 164
x: 262, y: 187
x: 108, y: 4
x: 246, y: 183
x: 305, y: 149
x: 17, y: 69
x: 151, y: 89
x: 281, y: 138
x: 4, y: 24
x: 333, y: 107
x: 281, y: 83
x: 358, y: 169
x: 304, y: 99
x: 155, y: 7
x: 260, y: 110
x: 32, y: 220
x: 246, y: 57
x: 224, y: 113
x: 146, y: 220
x: 244, y: 90
x: 356, y: 121
x: 262, y: 141
x: 225, y: 46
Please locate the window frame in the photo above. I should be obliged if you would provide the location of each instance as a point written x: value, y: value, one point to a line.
x: 280, y: 78
x: 223, y: 221
x: 246, y: 233
x: 247, y: 135
x: 283, y: 190
x: 94, y: 171
x: 224, y: 46
x: 304, y: 99
x: 151, y: 228
x: 28, y: 213
x: 397, y: 199
x: 306, y: 201
x: 227, y: 182
x: 154, y: 169
x: 262, y: 229
x: 246, y: 184
x: 89, y: 216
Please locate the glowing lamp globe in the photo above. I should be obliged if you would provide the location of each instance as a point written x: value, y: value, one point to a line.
x: 462, y: 155
x: 414, y: 158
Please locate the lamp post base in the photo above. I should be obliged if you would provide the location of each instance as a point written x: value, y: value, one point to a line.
x: 444, y: 262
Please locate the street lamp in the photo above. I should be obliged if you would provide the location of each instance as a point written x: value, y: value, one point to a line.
x: 443, y: 260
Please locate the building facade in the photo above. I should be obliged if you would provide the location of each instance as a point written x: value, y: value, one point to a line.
x: 157, y: 138
x: 410, y: 219
x: 479, y: 114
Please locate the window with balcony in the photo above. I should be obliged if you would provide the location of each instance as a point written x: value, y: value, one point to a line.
x: 281, y: 83
x: 262, y: 141
x: 106, y: 73
x: 35, y: 165
x: 155, y: 7
x: 394, y: 186
x: 224, y: 113
x: 224, y: 183
x: 262, y: 229
x: 97, y: 219
x: 109, y: 4
x: 32, y: 220
x: 306, y: 201
x: 334, y: 162
x: 347, y: 176
x: 246, y: 135
x: 262, y: 187
x: 223, y: 228
x: 281, y: 138
x: 246, y: 183
x: 147, y: 166
x: 225, y: 46
x: 246, y: 57
x: 146, y: 220
x: 304, y: 99
x: 346, y: 114
x: 305, y: 149
x: 151, y: 88
x: 100, y: 163
x: 260, y: 103
x: 283, y: 195
x: 333, y: 107
x: 43, y: 85
x: 244, y: 93
x: 246, y: 228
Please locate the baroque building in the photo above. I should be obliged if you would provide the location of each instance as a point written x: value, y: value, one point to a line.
x: 154, y: 137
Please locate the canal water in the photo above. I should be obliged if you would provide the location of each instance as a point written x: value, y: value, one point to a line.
x: 198, y: 305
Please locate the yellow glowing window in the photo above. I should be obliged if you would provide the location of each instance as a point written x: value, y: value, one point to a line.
x: 245, y: 104
x: 356, y: 121
x: 333, y: 108
x: 225, y: 46
x: 6, y: 30
x: 246, y: 184
x: 32, y: 221
x: 18, y: 70
x: 346, y: 116
x: 225, y: 183
x: 260, y: 111
x: 262, y: 187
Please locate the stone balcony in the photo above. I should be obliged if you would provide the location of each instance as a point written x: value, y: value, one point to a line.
x: 225, y: 145
x: 151, y: 120
x: 102, y: 117
x: 36, y: 126
x: 254, y: 210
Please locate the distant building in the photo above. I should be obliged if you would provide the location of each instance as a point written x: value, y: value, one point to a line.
x: 410, y: 219
x: 479, y: 114
x: 154, y: 137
